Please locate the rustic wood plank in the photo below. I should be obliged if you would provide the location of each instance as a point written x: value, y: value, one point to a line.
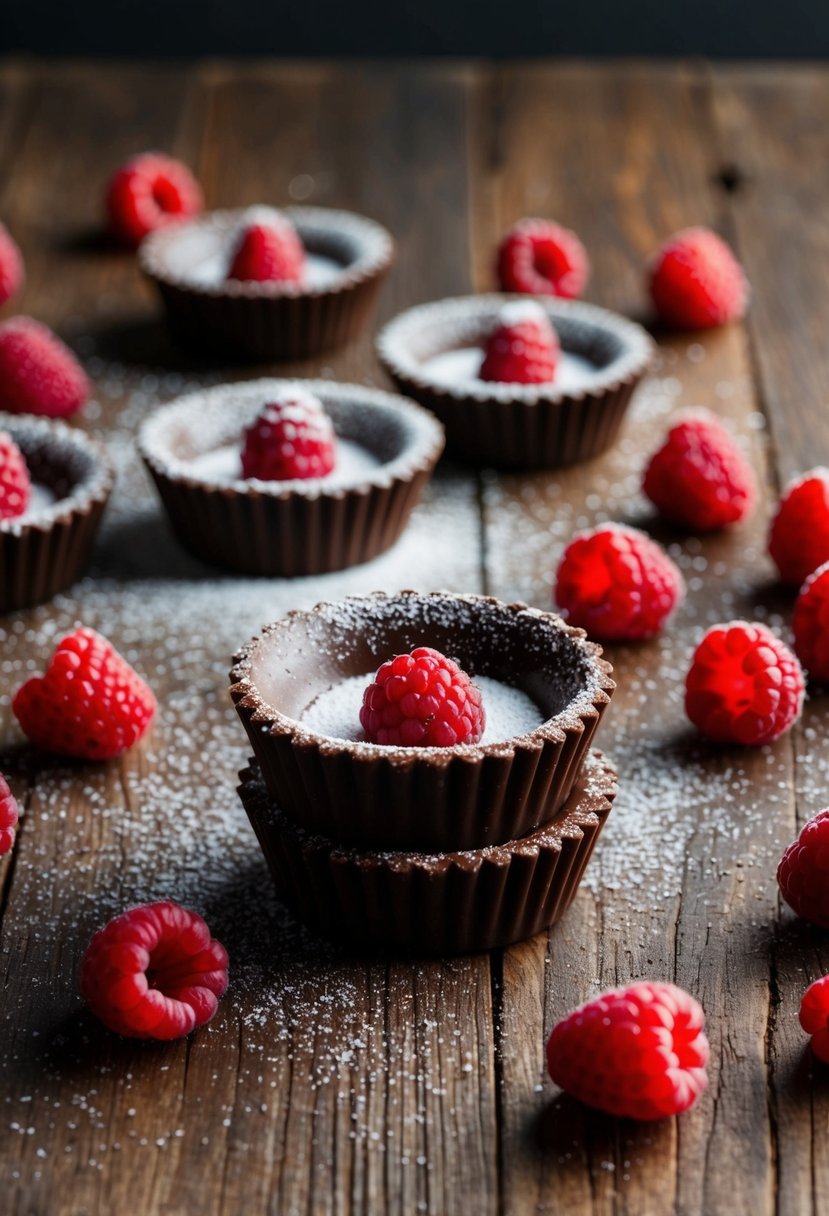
x: 326, y: 1084
x: 776, y: 149
x: 682, y: 886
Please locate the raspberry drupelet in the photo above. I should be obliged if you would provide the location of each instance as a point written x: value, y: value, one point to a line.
x: 744, y: 685
x: 90, y: 704
x: 540, y: 258
x: 617, y: 584
x: 150, y: 192
x: 422, y: 699
x: 696, y: 282
x: 292, y: 438
x: 154, y: 972
x: 523, y: 348
x: 639, y: 1052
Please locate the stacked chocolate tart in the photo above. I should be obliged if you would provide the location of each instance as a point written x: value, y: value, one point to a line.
x: 436, y: 850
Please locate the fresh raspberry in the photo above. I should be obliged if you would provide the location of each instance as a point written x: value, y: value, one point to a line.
x: 15, y: 483
x: 803, y: 873
x: 696, y: 282
x: 542, y: 259
x: 744, y: 685
x: 799, y: 536
x: 149, y: 192
x: 8, y: 817
x: 617, y: 584
x: 699, y: 478
x: 639, y: 1052
x: 154, y: 972
x: 422, y: 699
x: 12, y: 272
x: 810, y: 624
x: 38, y: 374
x: 90, y: 704
x: 292, y: 438
x: 268, y: 249
x: 523, y: 347
x: 814, y: 1016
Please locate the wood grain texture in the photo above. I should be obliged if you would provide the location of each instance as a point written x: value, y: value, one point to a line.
x: 332, y: 1083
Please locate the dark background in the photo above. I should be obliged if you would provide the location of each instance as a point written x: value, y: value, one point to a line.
x: 727, y: 28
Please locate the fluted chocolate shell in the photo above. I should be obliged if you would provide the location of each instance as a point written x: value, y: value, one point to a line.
x: 424, y: 798
x: 267, y: 321
x: 279, y: 528
x: 519, y: 426
x: 48, y: 550
x: 445, y: 903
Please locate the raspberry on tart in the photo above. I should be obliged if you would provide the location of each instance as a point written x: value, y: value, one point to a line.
x: 38, y: 373
x: 699, y: 478
x: 422, y: 699
x: 814, y: 1016
x: 523, y: 347
x: 696, y: 282
x: 12, y: 272
x: 9, y: 814
x: 744, y: 685
x: 149, y: 192
x: 268, y: 249
x: 291, y: 439
x: 154, y: 972
x: 90, y: 704
x: 15, y: 482
x: 617, y: 584
x: 541, y: 258
x: 638, y: 1052
x: 803, y: 872
x: 810, y: 624
x: 799, y: 535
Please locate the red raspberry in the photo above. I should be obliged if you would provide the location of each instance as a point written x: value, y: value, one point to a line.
x: 799, y: 536
x: 744, y: 685
x: 638, y: 1052
x: 154, y: 972
x: 8, y: 817
x: 422, y: 699
x: 617, y: 584
x: 696, y: 282
x: 12, y: 273
x: 90, y: 704
x: 38, y: 374
x: 149, y: 192
x: 699, y: 478
x: 268, y: 250
x: 523, y: 347
x: 803, y: 873
x: 814, y: 1016
x: 810, y: 624
x: 292, y: 438
x: 542, y: 259
x: 15, y: 483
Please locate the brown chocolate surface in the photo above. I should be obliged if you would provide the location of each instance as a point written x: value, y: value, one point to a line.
x: 49, y: 551
x: 519, y: 426
x: 443, y: 903
x: 454, y: 798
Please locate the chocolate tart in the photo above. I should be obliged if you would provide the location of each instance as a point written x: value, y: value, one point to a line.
x: 268, y: 321
x: 48, y: 549
x: 442, y: 903
x: 425, y: 798
x: 433, y: 353
x: 290, y: 528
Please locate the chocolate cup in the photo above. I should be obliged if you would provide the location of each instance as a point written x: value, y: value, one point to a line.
x: 445, y: 903
x: 270, y: 321
x: 519, y: 426
x: 48, y: 552
x: 290, y: 528
x: 424, y: 798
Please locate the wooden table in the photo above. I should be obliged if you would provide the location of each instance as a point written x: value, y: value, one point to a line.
x: 333, y: 1083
